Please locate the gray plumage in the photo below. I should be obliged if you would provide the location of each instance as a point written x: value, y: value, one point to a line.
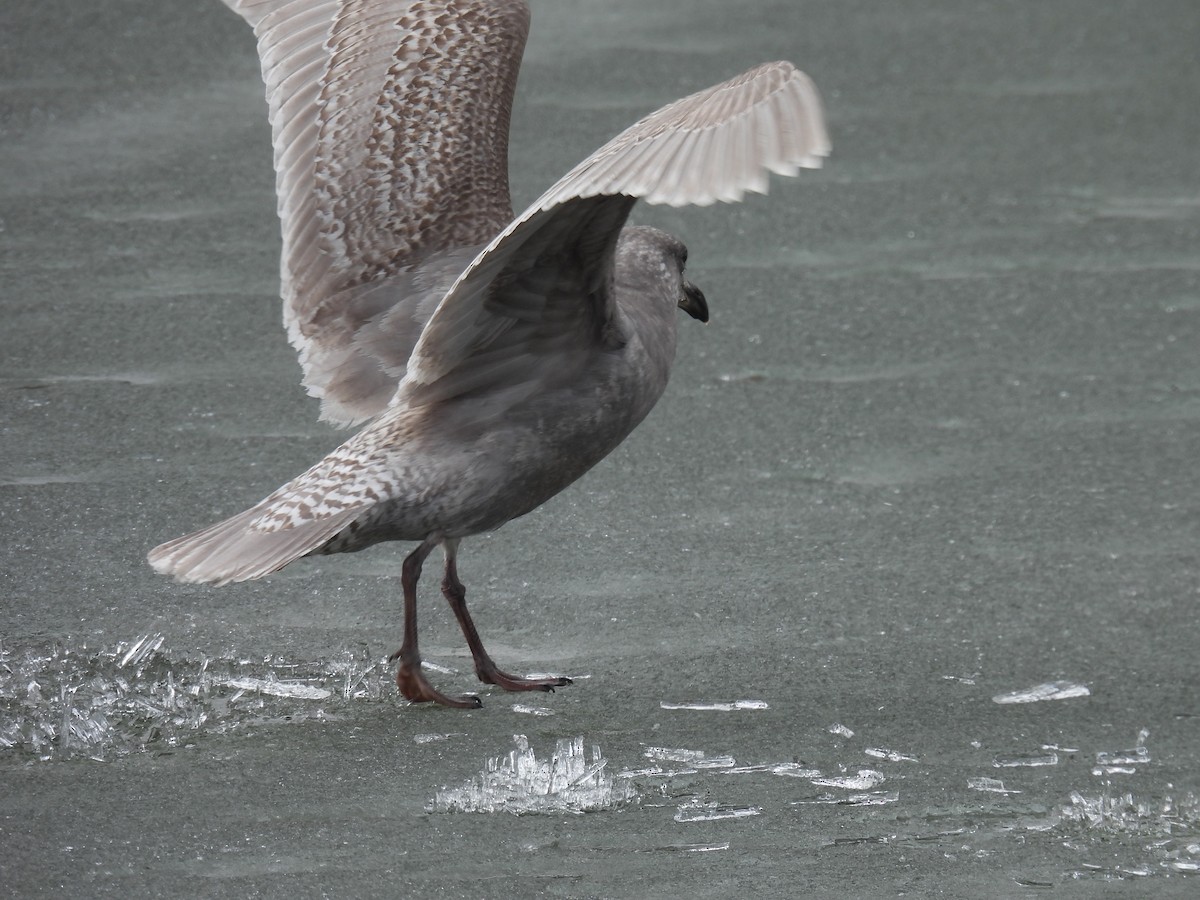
x: 498, y: 358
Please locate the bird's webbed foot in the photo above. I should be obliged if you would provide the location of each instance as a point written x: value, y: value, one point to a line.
x: 415, y: 687
x: 488, y: 673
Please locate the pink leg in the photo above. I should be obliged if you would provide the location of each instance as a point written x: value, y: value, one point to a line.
x: 485, y: 669
x: 411, y: 680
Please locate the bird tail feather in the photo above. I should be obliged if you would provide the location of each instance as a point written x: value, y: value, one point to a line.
x: 236, y: 550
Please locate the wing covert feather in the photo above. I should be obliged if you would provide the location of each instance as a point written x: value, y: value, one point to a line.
x: 712, y: 145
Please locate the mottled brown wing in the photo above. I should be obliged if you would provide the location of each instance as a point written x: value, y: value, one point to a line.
x: 390, y: 128
x: 713, y: 145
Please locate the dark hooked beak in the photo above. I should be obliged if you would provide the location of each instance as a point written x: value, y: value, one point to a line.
x: 693, y: 302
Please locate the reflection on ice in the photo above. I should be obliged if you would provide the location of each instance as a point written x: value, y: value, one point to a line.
x: 520, y: 783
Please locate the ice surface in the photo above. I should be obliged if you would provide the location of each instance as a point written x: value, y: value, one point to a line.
x: 58, y: 701
x: 1052, y: 690
x: 520, y: 783
x: 717, y: 706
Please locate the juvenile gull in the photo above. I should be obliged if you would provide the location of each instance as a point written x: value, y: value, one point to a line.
x: 498, y: 359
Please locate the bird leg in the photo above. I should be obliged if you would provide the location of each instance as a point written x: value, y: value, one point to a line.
x: 485, y: 669
x: 409, y: 677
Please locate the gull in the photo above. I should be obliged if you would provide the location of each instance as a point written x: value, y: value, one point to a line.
x: 495, y: 358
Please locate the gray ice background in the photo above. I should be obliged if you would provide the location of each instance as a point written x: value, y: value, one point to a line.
x: 937, y: 447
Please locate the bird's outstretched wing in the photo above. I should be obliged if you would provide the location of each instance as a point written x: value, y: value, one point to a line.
x: 390, y: 129
x: 713, y: 145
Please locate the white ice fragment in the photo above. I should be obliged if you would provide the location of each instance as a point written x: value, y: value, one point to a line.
x: 694, y: 758
x: 838, y: 728
x: 520, y: 783
x: 278, y: 688
x: 863, y: 798
x: 871, y: 798
x: 685, y: 848
x: 532, y: 710
x: 700, y: 811
x: 793, y: 770
x: 990, y: 785
x: 1025, y: 760
x: 1132, y: 757
x: 1113, y: 770
x: 434, y: 667
x: 717, y: 706
x: 667, y: 754
x: 429, y: 738
x: 863, y: 781
x: 1051, y: 690
x: 652, y: 772
x: 140, y: 649
x: 890, y: 755
x: 715, y: 762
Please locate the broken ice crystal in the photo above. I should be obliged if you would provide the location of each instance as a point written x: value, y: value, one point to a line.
x: 707, y: 811
x: 840, y: 729
x: 991, y: 785
x: 862, y: 798
x: 525, y: 709
x: 864, y: 780
x: 1126, y: 813
x: 889, y: 755
x: 61, y: 701
x: 717, y: 706
x: 1132, y: 757
x: 1053, y: 690
x: 694, y: 758
x: 520, y: 783
x: 278, y: 688
x: 1015, y: 760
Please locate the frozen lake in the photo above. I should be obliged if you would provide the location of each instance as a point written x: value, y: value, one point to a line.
x: 895, y: 593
